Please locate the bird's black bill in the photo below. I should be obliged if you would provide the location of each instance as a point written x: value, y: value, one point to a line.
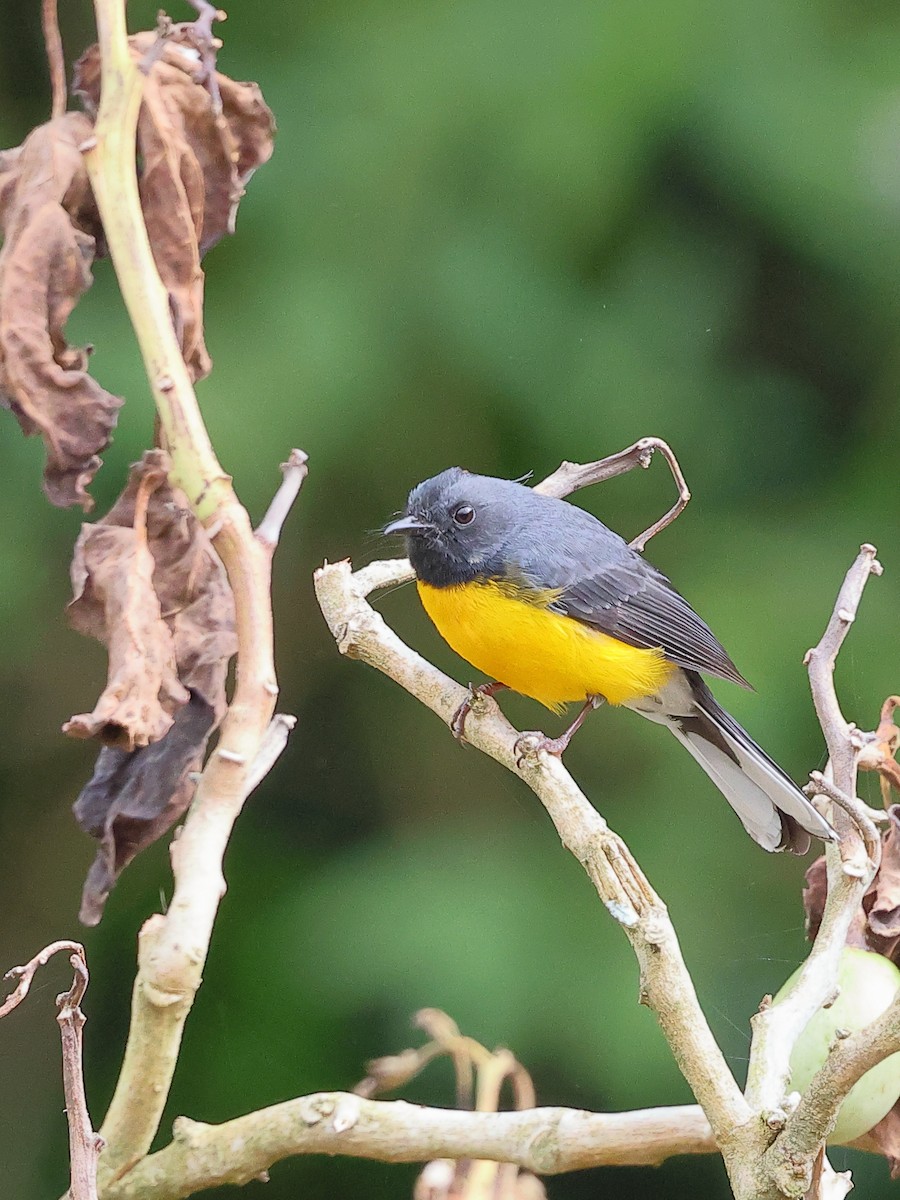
x: 406, y: 525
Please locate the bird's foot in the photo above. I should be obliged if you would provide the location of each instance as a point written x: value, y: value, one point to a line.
x: 530, y: 744
x: 472, y: 701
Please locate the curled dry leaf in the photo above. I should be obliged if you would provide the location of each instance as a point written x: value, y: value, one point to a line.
x: 134, y: 798
x: 49, y: 227
x: 876, y: 926
x: 882, y: 901
x: 150, y: 586
x: 115, y: 601
x: 194, y: 165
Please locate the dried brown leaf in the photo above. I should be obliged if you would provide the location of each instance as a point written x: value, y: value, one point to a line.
x: 134, y: 797
x: 882, y: 901
x: 112, y: 573
x: 49, y: 225
x: 194, y: 166
x: 150, y: 586
x: 115, y: 602
x: 876, y: 925
x: 188, y: 578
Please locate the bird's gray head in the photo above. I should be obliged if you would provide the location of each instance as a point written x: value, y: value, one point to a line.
x: 458, y: 525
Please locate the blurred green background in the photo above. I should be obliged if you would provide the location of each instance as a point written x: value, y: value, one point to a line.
x: 495, y: 234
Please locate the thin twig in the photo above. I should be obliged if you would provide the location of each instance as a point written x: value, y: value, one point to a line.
x: 274, y: 741
x: 201, y: 34
x: 570, y: 477
x: 197, y: 34
x: 862, y: 816
x: 25, y: 974
x: 84, y: 1144
x: 55, y: 57
x: 544, y: 1140
x: 445, y: 1032
x: 294, y: 471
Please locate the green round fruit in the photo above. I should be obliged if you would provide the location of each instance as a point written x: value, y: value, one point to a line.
x: 868, y: 983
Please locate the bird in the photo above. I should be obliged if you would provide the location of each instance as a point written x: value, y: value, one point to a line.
x: 544, y: 599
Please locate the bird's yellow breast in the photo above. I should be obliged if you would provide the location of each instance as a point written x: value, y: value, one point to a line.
x: 550, y: 657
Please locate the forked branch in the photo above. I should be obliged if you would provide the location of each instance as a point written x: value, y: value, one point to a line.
x: 84, y: 1144
x: 173, y: 947
x: 570, y: 477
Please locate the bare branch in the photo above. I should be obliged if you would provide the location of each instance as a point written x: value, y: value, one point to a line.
x: 544, y: 1140
x: 861, y: 815
x: 26, y: 973
x: 172, y: 948
x: 666, y: 985
x: 295, y: 471
x: 84, y: 1144
x: 850, y: 870
x: 570, y: 477
x: 274, y: 741
x: 821, y: 662
x: 55, y: 58
x: 849, y: 1059
x: 197, y: 34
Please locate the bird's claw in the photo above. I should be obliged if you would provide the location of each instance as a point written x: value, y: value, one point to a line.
x: 474, y: 700
x: 529, y: 745
x: 458, y: 720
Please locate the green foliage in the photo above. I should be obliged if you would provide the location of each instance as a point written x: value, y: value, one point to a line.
x: 492, y: 234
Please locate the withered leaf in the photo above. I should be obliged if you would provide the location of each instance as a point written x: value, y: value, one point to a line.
x: 149, y: 585
x: 194, y: 165
x: 876, y: 926
x: 189, y: 579
x: 49, y: 225
x: 115, y: 602
x: 882, y: 901
x: 134, y: 797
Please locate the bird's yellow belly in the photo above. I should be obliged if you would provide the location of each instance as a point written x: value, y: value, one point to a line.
x: 542, y: 654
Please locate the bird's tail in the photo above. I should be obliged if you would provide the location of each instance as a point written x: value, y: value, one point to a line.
x: 769, y: 804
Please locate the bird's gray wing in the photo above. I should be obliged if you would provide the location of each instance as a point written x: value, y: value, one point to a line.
x: 599, y: 580
x: 632, y: 601
x: 602, y: 582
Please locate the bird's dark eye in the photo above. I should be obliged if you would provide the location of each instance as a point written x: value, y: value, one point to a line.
x: 464, y: 514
